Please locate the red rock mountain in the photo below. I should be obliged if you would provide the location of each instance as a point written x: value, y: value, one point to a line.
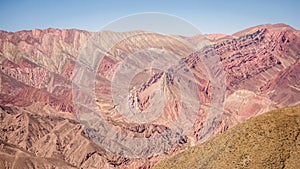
x: 38, y: 123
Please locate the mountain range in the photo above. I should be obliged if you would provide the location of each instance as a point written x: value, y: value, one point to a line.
x: 235, y: 77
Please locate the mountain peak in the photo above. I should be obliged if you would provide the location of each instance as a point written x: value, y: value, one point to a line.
x: 272, y: 27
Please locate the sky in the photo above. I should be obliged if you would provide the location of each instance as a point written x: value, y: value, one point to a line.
x: 227, y: 16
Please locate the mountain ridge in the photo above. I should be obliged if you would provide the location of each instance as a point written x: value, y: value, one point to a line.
x: 50, y: 29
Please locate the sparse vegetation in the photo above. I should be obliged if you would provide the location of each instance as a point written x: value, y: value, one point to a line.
x: 270, y: 140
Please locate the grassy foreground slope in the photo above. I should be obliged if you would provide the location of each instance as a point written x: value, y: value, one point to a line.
x: 270, y: 140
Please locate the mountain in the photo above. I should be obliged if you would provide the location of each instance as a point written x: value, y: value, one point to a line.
x: 44, y: 138
x: 235, y: 77
x: 270, y: 140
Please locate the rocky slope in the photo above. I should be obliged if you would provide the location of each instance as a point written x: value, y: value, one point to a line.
x: 253, y: 63
x: 270, y: 140
x: 260, y: 66
x: 43, y: 140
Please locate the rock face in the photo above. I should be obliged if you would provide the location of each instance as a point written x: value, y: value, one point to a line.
x: 37, y: 68
x: 254, y: 62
